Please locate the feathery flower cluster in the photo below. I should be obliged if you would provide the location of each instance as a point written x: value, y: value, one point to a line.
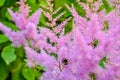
x: 93, y: 40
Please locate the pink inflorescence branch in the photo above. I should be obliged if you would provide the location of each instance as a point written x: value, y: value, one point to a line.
x: 93, y: 39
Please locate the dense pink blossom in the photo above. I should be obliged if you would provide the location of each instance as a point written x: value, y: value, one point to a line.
x: 93, y: 39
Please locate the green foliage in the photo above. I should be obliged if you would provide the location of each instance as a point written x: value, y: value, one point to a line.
x: 43, y: 20
x: 92, y: 76
x: 101, y: 7
x: 54, y: 54
x: 20, y: 52
x: 34, y: 5
x: 12, y: 59
x: 15, y: 69
x: 38, y: 70
x: 2, y: 2
x: 10, y: 25
x: 68, y: 27
x: 3, y: 70
x: 102, y: 62
x: 3, y: 38
x: 8, y: 16
x: 8, y: 54
x: 106, y: 26
x: 79, y: 9
x: 95, y: 43
x: 107, y: 7
x: 62, y: 3
x: 28, y: 73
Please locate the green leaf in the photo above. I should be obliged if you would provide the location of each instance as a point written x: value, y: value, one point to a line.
x: 69, y: 26
x: 8, y: 54
x: 3, y: 38
x: 102, y: 62
x: 20, y: 52
x: 40, y: 67
x: 10, y: 25
x: 2, y: 2
x: 38, y: 71
x: 8, y: 16
x: 83, y: 1
x: 80, y: 10
x: 61, y: 3
x: 108, y: 8
x: 95, y: 43
x: 54, y: 55
x: 3, y: 70
x: 16, y: 68
x: 9, y: 3
x: 43, y: 20
x: 28, y: 73
x: 101, y: 7
x: 33, y: 4
x: 2, y: 12
x: 42, y: 2
x: 106, y: 26
x: 93, y: 76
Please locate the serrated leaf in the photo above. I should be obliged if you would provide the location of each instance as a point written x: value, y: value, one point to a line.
x: 8, y: 54
x: 2, y: 2
x: 3, y: 38
x: 3, y: 70
x: 28, y: 73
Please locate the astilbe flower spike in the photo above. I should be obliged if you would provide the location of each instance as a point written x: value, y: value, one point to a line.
x: 22, y: 20
x: 93, y: 39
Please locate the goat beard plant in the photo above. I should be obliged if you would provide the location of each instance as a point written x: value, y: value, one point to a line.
x: 79, y: 51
